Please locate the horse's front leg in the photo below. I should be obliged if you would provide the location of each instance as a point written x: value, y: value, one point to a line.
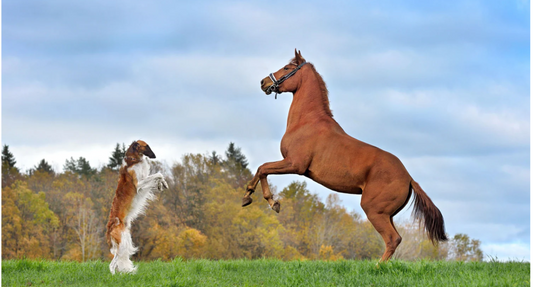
x: 274, y: 204
x: 278, y: 167
x: 247, y: 199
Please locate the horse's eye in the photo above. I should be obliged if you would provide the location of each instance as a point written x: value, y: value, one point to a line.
x: 285, y: 68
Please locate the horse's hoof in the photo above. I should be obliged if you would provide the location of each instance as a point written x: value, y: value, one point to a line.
x: 246, y: 201
x: 276, y: 207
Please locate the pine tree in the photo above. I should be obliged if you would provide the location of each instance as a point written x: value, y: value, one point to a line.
x: 43, y: 166
x: 115, y: 160
x: 236, y: 165
x: 7, y: 157
x: 10, y: 172
x: 214, y: 159
x: 80, y: 166
x: 235, y: 155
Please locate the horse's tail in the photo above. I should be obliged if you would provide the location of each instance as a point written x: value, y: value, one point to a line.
x: 426, y: 211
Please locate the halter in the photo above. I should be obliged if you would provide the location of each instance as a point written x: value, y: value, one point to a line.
x: 275, y: 83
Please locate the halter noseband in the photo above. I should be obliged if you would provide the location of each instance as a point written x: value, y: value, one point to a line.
x: 275, y: 83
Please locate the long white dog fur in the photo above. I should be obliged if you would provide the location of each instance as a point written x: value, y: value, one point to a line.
x: 147, y: 185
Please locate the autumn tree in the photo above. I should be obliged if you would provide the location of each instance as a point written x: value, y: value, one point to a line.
x: 65, y: 240
x: 416, y: 245
x: 191, y: 243
x: 27, y: 223
x: 82, y: 219
x: 299, y: 210
x: 465, y: 249
x: 41, y: 177
x: 330, y: 230
x: 11, y: 224
x: 186, y: 194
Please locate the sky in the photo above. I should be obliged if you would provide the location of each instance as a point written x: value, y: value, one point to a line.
x: 443, y: 85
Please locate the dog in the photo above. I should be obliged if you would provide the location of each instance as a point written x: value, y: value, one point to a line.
x: 135, y: 189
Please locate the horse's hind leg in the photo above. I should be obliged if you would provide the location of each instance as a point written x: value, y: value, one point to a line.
x: 383, y: 224
x: 380, y: 204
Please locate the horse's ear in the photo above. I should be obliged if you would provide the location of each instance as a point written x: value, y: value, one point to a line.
x: 298, y: 57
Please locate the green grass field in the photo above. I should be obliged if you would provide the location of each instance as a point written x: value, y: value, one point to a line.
x: 267, y: 273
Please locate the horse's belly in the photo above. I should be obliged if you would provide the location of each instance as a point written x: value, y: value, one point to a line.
x: 336, y: 182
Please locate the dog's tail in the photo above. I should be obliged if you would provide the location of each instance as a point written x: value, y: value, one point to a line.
x: 426, y: 211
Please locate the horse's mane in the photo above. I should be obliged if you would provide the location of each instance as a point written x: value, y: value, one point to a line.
x: 323, y: 89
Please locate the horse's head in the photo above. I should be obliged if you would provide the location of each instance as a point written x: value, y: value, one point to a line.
x: 285, y: 79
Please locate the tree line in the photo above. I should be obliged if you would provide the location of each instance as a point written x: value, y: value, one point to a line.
x: 61, y: 215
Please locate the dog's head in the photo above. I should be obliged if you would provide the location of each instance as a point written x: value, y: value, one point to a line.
x: 137, y: 149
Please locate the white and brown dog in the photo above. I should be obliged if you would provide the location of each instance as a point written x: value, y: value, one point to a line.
x: 135, y: 188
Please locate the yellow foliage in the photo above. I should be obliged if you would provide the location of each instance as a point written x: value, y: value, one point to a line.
x: 290, y: 253
x: 26, y: 223
x: 191, y: 243
x: 326, y: 253
x: 164, y: 241
x: 73, y: 253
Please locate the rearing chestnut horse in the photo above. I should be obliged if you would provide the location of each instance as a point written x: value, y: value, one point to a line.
x: 315, y: 146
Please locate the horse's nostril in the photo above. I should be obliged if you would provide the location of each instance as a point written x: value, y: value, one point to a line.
x: 262, y: 82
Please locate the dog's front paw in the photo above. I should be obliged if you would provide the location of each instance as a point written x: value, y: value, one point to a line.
x: 162, y: 185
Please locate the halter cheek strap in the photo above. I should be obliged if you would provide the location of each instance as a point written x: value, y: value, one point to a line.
x: 276, y: 83
x: 274, y: 87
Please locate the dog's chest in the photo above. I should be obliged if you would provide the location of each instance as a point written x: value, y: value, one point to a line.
x: 141, y: 170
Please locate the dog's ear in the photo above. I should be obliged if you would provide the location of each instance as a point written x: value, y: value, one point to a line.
x: 148, y: 152
x: 134, y: 147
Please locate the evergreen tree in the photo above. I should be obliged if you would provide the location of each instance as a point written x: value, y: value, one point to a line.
x: 80, y: 166
x: 215, y: 159
x: 7, y: 157
x: 236, y: 165
x: 10, y: 172
x: 117, y: 156
x: 234, y: 154
x: 43, y: 166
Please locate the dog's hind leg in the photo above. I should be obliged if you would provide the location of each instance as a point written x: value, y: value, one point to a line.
x: 115, y: 251
x: 125, y: 250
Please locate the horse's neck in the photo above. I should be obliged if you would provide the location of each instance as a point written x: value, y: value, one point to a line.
x: 307, y: 104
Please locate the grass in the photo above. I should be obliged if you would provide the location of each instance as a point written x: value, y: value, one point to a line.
x: 267, y: 273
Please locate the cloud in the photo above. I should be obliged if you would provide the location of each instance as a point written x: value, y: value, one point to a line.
x: 506, y: 252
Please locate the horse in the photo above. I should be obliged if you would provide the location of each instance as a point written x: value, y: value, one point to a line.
x: 314, y: 145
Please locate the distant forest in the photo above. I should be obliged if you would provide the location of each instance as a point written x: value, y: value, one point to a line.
x: 61, y: 215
